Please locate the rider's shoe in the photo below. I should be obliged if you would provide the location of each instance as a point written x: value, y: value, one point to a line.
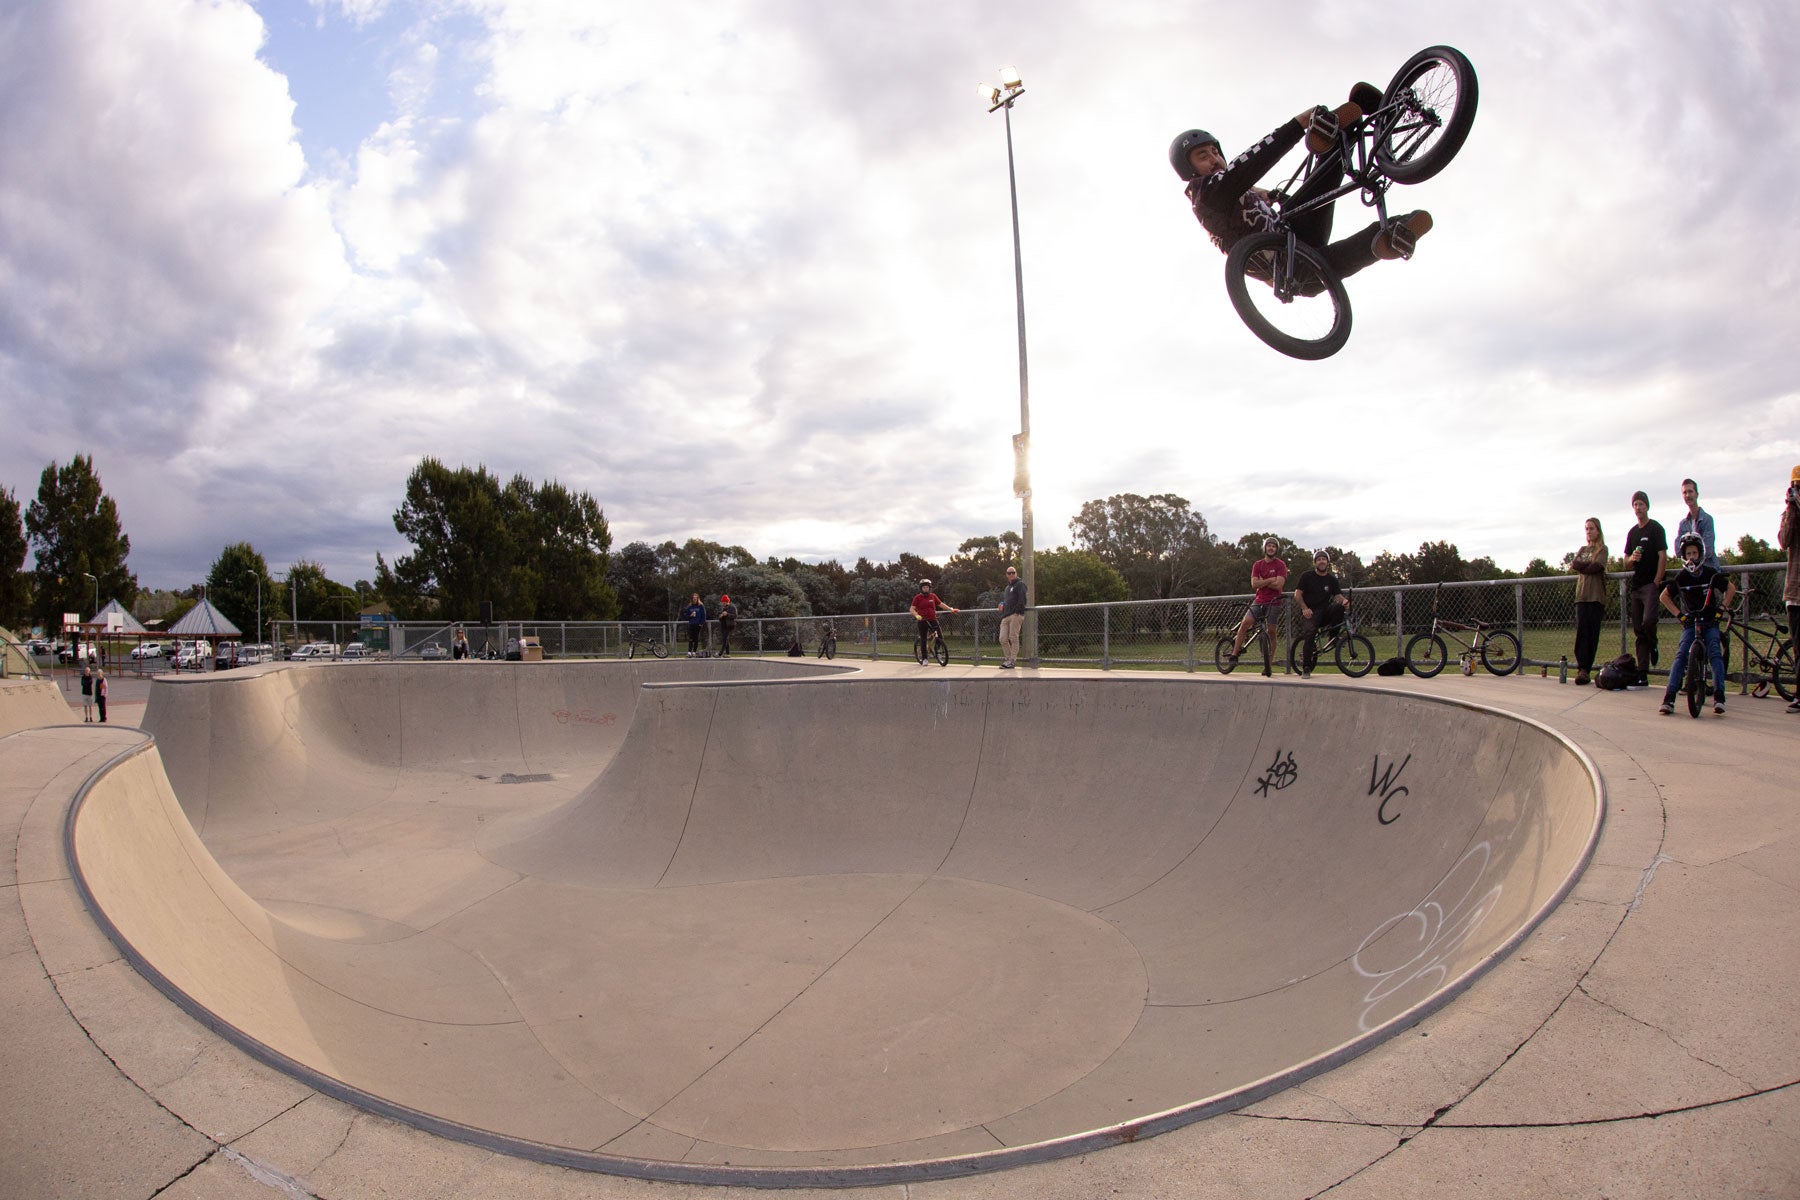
x: 1365, y: 96
x: 1322, y: 134
x: 1402, y: 235
x: 1666, y: 708
x: 1794, y: 707
x: 1718, y: 708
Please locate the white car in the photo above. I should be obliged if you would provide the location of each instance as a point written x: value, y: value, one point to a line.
x: 314, y: 652
x: 148, y: 650
x: 193, y: 656
x: 358, y: 650
x: 431, y: 650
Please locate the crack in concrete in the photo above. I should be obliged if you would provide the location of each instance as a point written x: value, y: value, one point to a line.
x: 1663, y: 1033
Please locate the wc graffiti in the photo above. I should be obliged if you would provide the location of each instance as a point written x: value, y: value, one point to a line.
x: 1387, y: 783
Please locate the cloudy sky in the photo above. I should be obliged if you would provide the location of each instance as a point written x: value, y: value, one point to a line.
x: 744, y: 271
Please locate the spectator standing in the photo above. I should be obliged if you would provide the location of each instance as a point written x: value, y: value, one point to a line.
x: 100, y: 694
x: 1698, y: 520
x: 1590, y: 599
x: 1789, y: 536
x: 1268, y: 576
x: 1647, y: 554
x: 728, y: 615
x: 87, y: 693
x: 695, y: 616
x: 1012, y: 619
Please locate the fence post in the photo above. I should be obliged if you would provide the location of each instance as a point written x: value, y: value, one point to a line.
x: 1190, y: 636
x: 1625, y: 615
x: 1106, y: 637
x: 1399, y: 622
x: 1519, y: 619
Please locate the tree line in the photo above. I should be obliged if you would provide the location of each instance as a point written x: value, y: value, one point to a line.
x: 541, y: 551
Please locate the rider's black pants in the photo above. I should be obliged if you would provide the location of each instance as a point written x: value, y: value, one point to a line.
x: 1348, y: 255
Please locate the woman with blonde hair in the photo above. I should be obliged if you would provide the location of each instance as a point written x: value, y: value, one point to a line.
x: 1589, y: 565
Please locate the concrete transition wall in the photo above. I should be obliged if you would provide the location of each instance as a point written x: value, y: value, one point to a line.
x: 739, y: 927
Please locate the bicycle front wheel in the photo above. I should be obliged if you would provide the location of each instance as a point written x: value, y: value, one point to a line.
x: 1500, y: 652
x: 829, y: 648
x: 1696, y: 678
x: 1222, y: 656
x: 940, y: 652
x: 1355, y: 655
x: 631, y: 649
x: 1426, y: 655
x: 1426, y: 114
x: 1293, y: 302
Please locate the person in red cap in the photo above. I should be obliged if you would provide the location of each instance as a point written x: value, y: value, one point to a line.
x: 728, y: 615
x: 1790, y: 592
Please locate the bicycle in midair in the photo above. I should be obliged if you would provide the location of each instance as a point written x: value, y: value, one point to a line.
x: 1281, y: 286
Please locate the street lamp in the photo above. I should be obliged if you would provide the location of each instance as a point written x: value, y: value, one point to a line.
x: 1000, y: 99
x: 258, y: 577
x: 91, y: 637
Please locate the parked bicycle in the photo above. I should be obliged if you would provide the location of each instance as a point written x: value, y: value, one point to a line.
x: 1353, y: 653
x: 1767, y: 659
x: 646, y: 640
x: 1496, y: 647
x: 1281, y: 286
x: 828, y: 642
x: 931, y: 646
x: 1226, y: 662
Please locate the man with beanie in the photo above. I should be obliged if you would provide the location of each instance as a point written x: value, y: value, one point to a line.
x: 1647, y: 553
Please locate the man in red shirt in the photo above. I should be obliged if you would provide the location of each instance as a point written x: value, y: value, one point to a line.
x: 1268, y: 575
x: 925, y: 607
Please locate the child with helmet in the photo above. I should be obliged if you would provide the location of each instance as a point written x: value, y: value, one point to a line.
x: 1230, y: 207
x: 1698, y: 594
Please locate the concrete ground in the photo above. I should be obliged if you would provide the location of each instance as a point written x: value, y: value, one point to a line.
x: 1640, y: 1042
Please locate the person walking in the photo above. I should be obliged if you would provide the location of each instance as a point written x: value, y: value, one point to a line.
x: 728, y: 615
x: 1789, y: 537
x: 100, y: 694
x: 1012, y: 619
x: 87, y: 693
x: 1647, y: 554
x: 1589, y: 565
x: 695, y: 615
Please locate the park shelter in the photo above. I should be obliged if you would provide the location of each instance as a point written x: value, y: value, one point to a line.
x: 127, y: 622
x: 204, y: 621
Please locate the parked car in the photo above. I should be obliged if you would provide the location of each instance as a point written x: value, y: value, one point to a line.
x: 192, y: 656
x: 257, y: 652
x: 356, y: 650
x: 77, y: 653
x: 431, y: 650
x: 147, y: 650
x: 314, y: 652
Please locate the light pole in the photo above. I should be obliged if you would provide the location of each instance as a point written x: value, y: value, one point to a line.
x: 1000, y: 99
x: 91, y: 637
x: 258, y: 577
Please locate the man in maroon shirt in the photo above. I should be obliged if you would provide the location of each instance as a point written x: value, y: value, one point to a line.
x: 1268, y: 575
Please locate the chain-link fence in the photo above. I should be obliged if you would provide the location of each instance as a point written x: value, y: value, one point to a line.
x: 1180, y: 635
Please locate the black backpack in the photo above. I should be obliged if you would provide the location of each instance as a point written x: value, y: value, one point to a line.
x: 1393, y: 666
x: 1617, y: 675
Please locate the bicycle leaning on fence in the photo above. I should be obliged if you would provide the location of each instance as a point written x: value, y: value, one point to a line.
x: 1353, y: 653
x: 1426, y: 653
x: 1767, y: 658
x: 828, y: 642
x: 646, y: 640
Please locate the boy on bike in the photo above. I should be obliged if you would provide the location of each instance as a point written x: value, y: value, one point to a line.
x: 1323, y: 605
x: 1694, y: 595
x: 1268, y: 575
x: 1230, y: 207
x: 925, y: 607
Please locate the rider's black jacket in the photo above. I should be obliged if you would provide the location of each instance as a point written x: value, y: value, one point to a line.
x: 1225, y: 203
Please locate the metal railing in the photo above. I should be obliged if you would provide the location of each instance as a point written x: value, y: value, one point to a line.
x: 1175, y: 634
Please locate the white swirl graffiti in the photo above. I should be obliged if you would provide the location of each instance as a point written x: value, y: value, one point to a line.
x: 1441, y: 931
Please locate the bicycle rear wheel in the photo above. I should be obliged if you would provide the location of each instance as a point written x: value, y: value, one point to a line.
x: 1355, y: 655
x: 828, y: 648
x: 660, y: 649
x: 1426, y: 655
x: 1784, y: 671
x: 1500, y: 652
x: 1297, y: 303
x: 1425, y: 114
x: 940, y: 651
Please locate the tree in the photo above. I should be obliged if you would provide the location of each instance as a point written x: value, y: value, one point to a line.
x: 232, y: 586
x: 1156, y: 543
x: 1752, y: 550
x: 1067, y: 576
x: 701, y: 566
x: 1437, y: 562
x: 15, y: 584
x: 463, y: 551
x: 635, y: 574
x: 978, y: 568
x: 74, y: 530
x: 562, y: 542
x: 760, y: 591
x: 1537, y: 568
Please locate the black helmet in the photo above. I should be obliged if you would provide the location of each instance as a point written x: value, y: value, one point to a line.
x: 1178, y: 151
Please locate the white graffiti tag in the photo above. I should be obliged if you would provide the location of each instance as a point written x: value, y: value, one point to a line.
x: 1420, y: 943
